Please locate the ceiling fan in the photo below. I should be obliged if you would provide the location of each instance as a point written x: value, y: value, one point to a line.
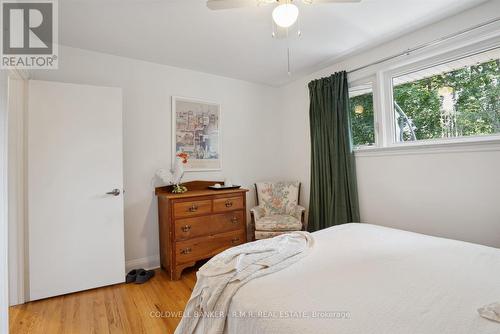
x: 284, y: 15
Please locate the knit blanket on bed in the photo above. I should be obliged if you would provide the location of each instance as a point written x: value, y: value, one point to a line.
x: 490, y: 312
x: 221, y: 277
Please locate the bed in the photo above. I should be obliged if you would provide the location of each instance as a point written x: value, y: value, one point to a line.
x: 367, y: 279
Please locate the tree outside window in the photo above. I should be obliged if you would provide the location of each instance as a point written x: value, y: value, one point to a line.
x: 457, y: 103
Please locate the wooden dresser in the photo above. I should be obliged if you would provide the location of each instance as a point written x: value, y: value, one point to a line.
x: 199, y: 224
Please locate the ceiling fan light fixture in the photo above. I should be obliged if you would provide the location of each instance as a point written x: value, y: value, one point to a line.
x: 285, y: 15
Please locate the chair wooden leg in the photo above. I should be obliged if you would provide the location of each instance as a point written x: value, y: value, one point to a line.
x: 303, y: 219
x: 252, y: 227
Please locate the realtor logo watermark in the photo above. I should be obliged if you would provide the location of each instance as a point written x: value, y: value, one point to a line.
x: 29, y: 34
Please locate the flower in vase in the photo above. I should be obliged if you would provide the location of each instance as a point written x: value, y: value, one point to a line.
x: 184, y: 157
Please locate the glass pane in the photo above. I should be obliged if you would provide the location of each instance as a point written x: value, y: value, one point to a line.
x: 456, y: 99
x: 361, y: 113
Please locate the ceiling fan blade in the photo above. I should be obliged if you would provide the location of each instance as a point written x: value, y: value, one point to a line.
x: 328, y: 1
x: 230, y: 4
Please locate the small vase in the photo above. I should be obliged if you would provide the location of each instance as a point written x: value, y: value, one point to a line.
x: 179, y: 189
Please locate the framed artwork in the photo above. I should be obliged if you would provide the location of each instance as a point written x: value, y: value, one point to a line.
x: 196, y: 130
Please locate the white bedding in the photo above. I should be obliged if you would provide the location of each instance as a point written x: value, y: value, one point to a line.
x: 389, y: 281
x: 221, y: 277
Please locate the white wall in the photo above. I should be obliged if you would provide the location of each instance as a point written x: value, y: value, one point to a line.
x: 4, y: 285
x: 453, y: 195
x: 249, y: 125
x: 445, y: 194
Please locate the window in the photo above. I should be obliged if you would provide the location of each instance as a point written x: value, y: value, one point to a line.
x: 455, y: 99
x: 362, y: 116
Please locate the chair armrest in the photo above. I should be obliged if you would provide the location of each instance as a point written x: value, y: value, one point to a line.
x: 258, y: 212
x: 298, y: 212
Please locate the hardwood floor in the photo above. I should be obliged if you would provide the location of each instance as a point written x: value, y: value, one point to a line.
x: 122, y: 308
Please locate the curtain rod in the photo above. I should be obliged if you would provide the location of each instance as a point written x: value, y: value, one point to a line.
x: 426, y: 45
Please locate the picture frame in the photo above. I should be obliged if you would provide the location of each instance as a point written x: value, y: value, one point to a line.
x: 196, y: 130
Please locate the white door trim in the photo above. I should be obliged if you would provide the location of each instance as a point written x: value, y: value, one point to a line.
x: 4, y: 231
x: 16, y: 153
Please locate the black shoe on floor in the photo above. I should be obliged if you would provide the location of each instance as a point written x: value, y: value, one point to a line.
x: 144, y: 276
x: 132, y: 275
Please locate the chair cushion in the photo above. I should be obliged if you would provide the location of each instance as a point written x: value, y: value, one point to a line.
x: 278, y: 198
x: 267, y: 234
x: 278, y: 223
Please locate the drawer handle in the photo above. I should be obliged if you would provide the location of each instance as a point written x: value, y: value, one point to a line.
x: 235, y: 240
x: 193, y: 208
x: 234, y: 220
x: 186, y: 250
x: 186, y: 228
x: 229, y: 204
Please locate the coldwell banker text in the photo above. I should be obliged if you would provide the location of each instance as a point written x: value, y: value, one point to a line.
x: 29, y: 34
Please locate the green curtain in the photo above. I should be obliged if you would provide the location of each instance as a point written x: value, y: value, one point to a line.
x: 334, y: 195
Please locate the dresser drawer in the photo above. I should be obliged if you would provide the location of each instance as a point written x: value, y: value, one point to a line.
x: 192, y: 208
x: 204, y: 247
x: 188, y: 228
x: 228, y: 204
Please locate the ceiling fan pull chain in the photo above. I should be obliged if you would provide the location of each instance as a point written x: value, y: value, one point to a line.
x: 299, y: 31
x: 288, y: 64
x: 273, y: 34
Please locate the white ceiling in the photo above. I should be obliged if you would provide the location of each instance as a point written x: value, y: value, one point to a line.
x: 237, y: 43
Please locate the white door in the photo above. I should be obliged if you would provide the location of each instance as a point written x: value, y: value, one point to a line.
x: 75, y: 227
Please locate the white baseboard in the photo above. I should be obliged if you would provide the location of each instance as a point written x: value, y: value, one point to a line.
x: 150, y: 262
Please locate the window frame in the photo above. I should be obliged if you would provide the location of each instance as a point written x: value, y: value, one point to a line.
x: 357, y: 85
x: 382, y: 83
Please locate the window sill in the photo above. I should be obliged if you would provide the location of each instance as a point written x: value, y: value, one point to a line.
x: 471, y: 144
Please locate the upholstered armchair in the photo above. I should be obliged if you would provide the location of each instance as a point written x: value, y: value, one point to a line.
x: 278, y: 210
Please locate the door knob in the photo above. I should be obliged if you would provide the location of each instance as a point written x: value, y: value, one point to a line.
x: 114, y: 192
